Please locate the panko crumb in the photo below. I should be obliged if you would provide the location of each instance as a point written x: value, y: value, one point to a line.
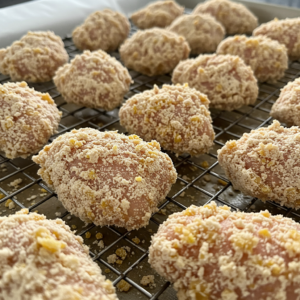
x: 47, y: 261
x: 105, y: 30
x: 111, y: 259
x: 212, y: 253
x: 97, y: 185
x: 285, y: 32
x: 226, y: 80
x: 154, y: 51
x: 157, y: 14
x: 27, y: 120
x: 235, y: 17
x: 265, y: 164
x: 123, y: 286
x: 267, y: 58
x: 176, y: 116
x: 34, y: 58
x: 202, y: 31
x: 93, y: 79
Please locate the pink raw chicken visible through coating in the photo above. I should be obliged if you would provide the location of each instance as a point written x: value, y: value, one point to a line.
x: 105, y: 30
x: 43, y: 259
x: 34, y: 58
x: 211, y: 253
x: 106, y: 177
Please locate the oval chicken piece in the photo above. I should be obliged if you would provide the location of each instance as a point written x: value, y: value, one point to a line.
x: 176, y: 116
x: 210, y: 253
x: 267, y: 58
x: 106, y: 177
x: 265, y: 164
x: 154, y: 51
x: 43, y: 259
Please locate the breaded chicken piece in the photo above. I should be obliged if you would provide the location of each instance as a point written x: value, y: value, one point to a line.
x: 225, y: 79
x: 285, y: 32
x: 157, y: 14
x: 43, y: 259
x: 176, y: 116
x: 265, y: 164
x: 105, y: 30
x: 267, y: 58
x: 34, y: 58
x: 93, y: 79
x: 107, y: 178
x: 27, y: 119
x: 235, y: 17
x: 287, y: 107
x: 201, y: 31
x: 211, y: 253
x: 154, y: 51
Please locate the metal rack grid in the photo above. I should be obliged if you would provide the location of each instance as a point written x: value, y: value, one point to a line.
x: 200, y: 179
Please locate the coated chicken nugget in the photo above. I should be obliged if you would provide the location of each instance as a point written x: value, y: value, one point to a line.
x: 225, y: 79
x: 176, y: 116
x: 34, y: 58
x: 265, y: 164
x: 43, y: 259
x: 285, y: 32
x: 157, y: 14
x: 27, y: 119
x: 211, y: 253
x: 154, y: 51
x: 93, y: 79
x: 235, y: 17
x: 105, y: 30
x: 202, y: 32
x: 267, y: 58
x: 106, y: 177
x: 287, y: 108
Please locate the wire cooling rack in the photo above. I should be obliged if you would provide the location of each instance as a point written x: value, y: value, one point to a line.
x: 200, y: 180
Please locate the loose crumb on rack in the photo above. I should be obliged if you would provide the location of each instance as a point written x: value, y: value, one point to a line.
x: 123, y: 286
x: 136, y: 240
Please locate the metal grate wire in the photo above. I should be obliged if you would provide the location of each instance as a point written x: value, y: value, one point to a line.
x: 200, y: 179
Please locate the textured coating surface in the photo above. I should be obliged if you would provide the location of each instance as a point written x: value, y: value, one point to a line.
x: 154, y: 51
x: 93, y: 79
x: 105, y: 30
x: 267, y: 58
x: 106, y: 177
x: 265, y: 164
x: 201, y: 31
x: 225, y: 79
x: 176, y: 116
x: 235, y: 17
x: 210, y: 253
x: 42, y: 259
x: 27, y: 119
x: 34, y: 58
x: 157, y: 14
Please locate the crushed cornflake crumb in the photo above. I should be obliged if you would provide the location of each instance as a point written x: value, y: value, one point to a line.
x: 123, y: 286
x: 222, y: 182
x: 205, y: 164
x: 7, y: 203
x: 163, y: 211
x: 88, y: 235
x: 107, y: 271
x: 119, y: 261
x: 73, y: 227
x: 136, y: 240
x: 148, y: 280
x: 121, y: 252
x: 1, y: 196
x: 99, y: 236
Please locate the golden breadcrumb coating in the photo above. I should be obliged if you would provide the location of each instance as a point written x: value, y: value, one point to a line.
x: 157, y: 14
x: 27, y: 119
x: 267, y: 58
x: 154, y: 51
x: 285, y: 32
x: 105, y: 30
x: 43, y: 259
x: 287, y: 107
x: 202, y: 32
x: 93, y: 79
x: 235, y: 17
x: 225, y: 79
x: 176, y: 116
x: 211, y: 253
x: 106, y: 177
x: 265, y: 164
x: 34, y: 58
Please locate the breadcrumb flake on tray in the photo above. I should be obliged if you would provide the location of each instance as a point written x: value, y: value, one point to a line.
x: 43, y: 259
x: 94, y: 174
x: 212, y: 253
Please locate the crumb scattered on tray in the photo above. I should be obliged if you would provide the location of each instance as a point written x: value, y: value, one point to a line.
x: 123, y: 286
